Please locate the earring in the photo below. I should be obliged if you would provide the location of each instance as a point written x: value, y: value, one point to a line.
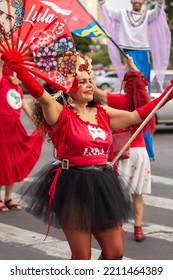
x: 69, y: 100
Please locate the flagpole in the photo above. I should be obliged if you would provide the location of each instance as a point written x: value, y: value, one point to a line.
x: 140, y: 127
x: 104, y: 31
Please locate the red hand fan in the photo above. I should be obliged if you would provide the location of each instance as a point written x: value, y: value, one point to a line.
x: 40, y: 39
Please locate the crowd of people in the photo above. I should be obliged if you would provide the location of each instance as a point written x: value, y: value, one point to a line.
x: 81, y: 193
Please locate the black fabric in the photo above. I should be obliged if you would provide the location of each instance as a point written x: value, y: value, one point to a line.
x: 84, y: 199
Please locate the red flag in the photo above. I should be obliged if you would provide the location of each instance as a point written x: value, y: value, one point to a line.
x: 77, y: 18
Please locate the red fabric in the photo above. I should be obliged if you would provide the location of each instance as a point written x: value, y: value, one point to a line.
x: 11, y: 97
x: 119, y: 101
x: 52, y: 194
x: 74, y: 87
x: 30, y: 83
x: 136, y: 74
x: 78, y: 19
x: 19, y: 151
x: 6, y: 72
x: 134, y: 84
x: 145, y: 110
x: 96, y: 138
x: 28, y: 80
x: 66, y: 138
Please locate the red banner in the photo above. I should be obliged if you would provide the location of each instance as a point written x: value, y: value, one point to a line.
x: 78, y: 19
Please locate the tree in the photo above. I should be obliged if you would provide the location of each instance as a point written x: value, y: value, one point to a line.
x: 82, y: 43
x: 102, y: 57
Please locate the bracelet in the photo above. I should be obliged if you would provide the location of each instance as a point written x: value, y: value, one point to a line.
x: 101, y: 2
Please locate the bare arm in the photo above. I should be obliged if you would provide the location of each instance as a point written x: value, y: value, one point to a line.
x: 51, y: 109
x: 130, y: 62
x: 153, y: 14
x: 26, y: 109
x: 111, y: 11
x: 51, y: 119
x: 121, y: 118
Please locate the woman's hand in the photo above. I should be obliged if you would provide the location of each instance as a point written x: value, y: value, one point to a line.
x: 130, y: 63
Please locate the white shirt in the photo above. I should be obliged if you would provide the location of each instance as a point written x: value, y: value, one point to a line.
x: 133, y: 27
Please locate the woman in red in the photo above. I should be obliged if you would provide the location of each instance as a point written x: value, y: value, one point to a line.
x: 19, y: 151
x: 137, y: 167
x: 83, y: 195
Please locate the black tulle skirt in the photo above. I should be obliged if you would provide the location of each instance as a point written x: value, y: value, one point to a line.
x: 83, y: 199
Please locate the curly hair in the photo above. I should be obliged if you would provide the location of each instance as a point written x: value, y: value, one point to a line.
x: 135, y: 87
x: 37, y: 117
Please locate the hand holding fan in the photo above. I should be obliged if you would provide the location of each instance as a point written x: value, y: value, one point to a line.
x: 40, y: 40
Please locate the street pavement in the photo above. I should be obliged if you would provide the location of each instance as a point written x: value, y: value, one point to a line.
x: 22, y: 236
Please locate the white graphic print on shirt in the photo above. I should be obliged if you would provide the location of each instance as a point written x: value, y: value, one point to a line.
x: 14, y: 99
x: 96, y: 132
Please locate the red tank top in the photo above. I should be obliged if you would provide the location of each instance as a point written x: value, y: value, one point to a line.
x: 82, y: 143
